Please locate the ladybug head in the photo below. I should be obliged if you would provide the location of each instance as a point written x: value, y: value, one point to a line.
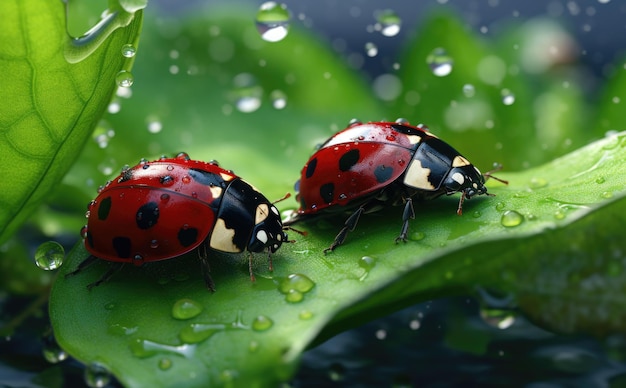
x: 465, y: 179
x: 268, y: 231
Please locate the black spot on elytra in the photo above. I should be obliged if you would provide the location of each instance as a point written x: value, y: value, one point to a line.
x: 122, y: 246
x: 327, y: 192
x: 310, y: 168
x: 349, y: 159
x: 407, y: 130
x: 187, y: 236
x: 148, y: 215
x: 104, y: 208
x: 205, y: 178
x: 383, y: 173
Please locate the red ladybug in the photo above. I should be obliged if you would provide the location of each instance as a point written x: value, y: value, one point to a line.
x: 162, y: 209
x: 367, y: 167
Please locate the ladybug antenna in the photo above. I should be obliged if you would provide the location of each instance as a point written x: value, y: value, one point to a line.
x: 300, y: 232
x: 496, y: 167
x: 282, y: 199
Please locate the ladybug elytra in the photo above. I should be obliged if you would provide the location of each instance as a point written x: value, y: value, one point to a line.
x: 165, y: 208
x: 367, y: 167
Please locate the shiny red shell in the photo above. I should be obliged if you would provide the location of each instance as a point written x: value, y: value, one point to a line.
x: 155, y: 210
x: 358, y: 161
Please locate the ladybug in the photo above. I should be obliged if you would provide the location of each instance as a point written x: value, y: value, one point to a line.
x: 367, y: 167
x: 165, y: 208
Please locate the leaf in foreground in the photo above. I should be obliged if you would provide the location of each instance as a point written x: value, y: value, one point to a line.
x: 159, y: 325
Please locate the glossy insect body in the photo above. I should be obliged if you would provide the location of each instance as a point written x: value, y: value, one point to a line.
x: 163, y: 209
x: 366, y: 167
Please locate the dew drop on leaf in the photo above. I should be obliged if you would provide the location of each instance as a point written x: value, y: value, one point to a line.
x: 261, y: 323
x: 279, y: 99
x: 511, y: 218
x: 469, y: 90
x: 440, y: 62
x: 371, y: 49
x: 49, y: 255
x: 186, y: 309
x: 124, y: 79
x: 128, y: 50
x: 165, y: 364
x: 508, y: 98
x: 272, y: 21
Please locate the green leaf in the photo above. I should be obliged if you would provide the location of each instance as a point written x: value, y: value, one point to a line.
x: 253, y: 333
x: 54, y: 104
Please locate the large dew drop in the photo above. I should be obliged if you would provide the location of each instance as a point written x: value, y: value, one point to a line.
x: 49, y: 255
x: 272, y: 21
x: 124, y: 79
x: 388, y: 22
x: 440, y: 62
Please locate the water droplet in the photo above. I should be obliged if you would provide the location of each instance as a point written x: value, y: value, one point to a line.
x: 124, y: 79
x: 52, y: 352
x: 49, y: 255
x: 511, y: 218
x: 500, y: 206
x: 272, y: 21
x: 262, y: 323
x: 381, y: 334
x: 97, y: 375
x: 607, y: 194
x: 253, y: 346
x: 295, y: 286
x: 440, y: 62
x: 469, y: 90
x: 537, y: 183
x: 499, y: 318
x: 128, y: 50
x: 186, y: 309
x: 279, y: 99
x: 83, y: 231
x: 165, y: 364
x: 476, y: 214
x: 305, y: 315
x: 246, y: 94
x: 600, y: 180
x: 389, y: 22
x: 559, y: 214
x: 416, y: 236
x: 508, y: 98
x: 144, y: 348
x: 198, y: 332
x: 354, y: 122
x: 371, y: 49
x: 336, y: 372
x: 153, y: 124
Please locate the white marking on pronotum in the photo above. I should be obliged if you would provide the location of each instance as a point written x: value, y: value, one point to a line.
x: 261, y: 213
x: 226, y: 177
x: 222, y: 238
x: 216, y: 191
x: 261, y: 235
x: 414, y: 139
x: 460, y: 161
x: 458, y: 178
x: 274, y: 210
x: 417, y: 176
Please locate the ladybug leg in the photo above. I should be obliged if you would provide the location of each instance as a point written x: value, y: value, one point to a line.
x: 407, y: 214
x: 206, y: 268
x: 113, y: 268
x: 83, y: 264
x: 349, y: 226
x: 252, y: 278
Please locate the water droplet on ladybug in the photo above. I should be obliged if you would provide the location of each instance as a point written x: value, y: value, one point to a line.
x: 186, y: 179
x: 342, y: 196
x: 167, y: 180
x: 145, y: 166
x: 511, y: 218
x: 100, y: 188
x: 154, y: 244
x: 262, y: 323
x: 162, y: 157
x: 83, y: 231
x: 183, y: 156
x: 143, y: 161
x: 391, y: 137
x: 402, y: 120
x: 125, y: 169
x: 49, y: 255
x: 354, y: 122
x: 170, y: 167
x: 165, y: 197
x: 87, y: 213
x: 186, y: 309
x: 194, y: 194
x: 214, y: 162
